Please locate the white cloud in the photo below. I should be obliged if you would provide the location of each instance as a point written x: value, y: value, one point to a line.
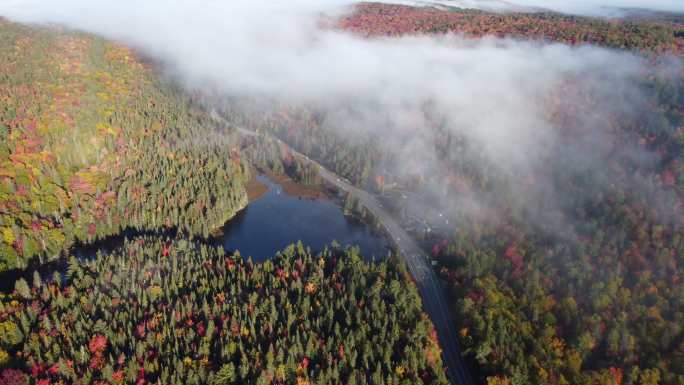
x: 494, y: 89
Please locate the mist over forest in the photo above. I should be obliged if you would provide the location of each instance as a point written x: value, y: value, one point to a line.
x: 496, y: 92
x: 529, y: 153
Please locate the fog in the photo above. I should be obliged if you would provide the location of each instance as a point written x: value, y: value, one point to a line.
x: 277, y: 50
x: 497, y: 93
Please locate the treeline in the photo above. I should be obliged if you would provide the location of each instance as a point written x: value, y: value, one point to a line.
x: 164, y: 311
x: 267, y: 154
x: 373, y: 19
x: 92, y: 143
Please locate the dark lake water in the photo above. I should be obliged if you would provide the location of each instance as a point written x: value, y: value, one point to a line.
x: 277, y: 219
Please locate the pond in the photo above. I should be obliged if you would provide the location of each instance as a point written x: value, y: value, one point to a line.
x: 266, y: 226
x: 277, y: 219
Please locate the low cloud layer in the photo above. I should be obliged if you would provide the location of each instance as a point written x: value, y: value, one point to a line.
x: 495, y: 92
x: 276, y: 49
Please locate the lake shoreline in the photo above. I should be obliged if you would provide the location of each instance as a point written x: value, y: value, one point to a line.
x: 256, y: 189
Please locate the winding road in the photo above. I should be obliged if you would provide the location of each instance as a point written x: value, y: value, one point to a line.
x: 418, y: 263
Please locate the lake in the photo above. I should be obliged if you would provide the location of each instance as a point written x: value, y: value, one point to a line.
x: 277, y: 219
x: 266, y: 226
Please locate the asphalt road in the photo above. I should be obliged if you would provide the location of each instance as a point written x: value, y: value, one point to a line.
x: 418, y: 264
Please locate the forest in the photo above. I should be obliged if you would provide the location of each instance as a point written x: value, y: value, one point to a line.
x: 165, y: 311
x: 586, y: 289
x: 92, y: 142
x: 600, y: 301
x: 585, y: 292
x: 646, y: 35
x: 95, y: 143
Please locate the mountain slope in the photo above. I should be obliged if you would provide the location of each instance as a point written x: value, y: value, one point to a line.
x: 92, y: 143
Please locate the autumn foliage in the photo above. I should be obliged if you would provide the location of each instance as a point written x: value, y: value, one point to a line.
x: 138, y: 317
x: 376, y: 19
x: 92, y: 143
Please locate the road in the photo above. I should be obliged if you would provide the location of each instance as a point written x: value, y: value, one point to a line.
x: 418, y: 263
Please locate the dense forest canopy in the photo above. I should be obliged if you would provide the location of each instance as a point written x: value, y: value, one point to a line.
x: 665, y: 34
x: 161, y: 311
x: 92, y: 142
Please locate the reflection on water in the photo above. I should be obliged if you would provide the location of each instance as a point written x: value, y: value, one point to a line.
x: 276, y: 220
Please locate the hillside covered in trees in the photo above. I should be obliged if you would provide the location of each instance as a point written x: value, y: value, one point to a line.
x: 161, y: 311
x: 642, y: 34
x: 93, y: 142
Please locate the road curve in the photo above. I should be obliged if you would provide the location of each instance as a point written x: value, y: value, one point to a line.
x: 418, y: 264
